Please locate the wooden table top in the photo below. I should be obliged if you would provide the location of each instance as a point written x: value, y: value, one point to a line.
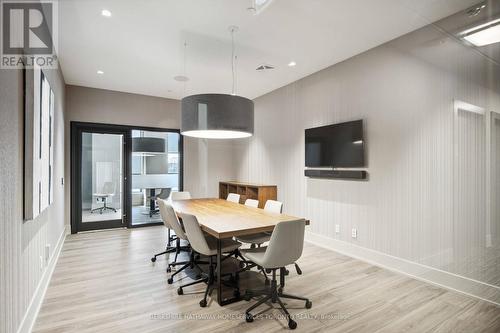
x: 224, y: 219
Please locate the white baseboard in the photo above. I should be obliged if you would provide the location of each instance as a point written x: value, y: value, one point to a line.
x: 37, y: 300
x: 471, y: 287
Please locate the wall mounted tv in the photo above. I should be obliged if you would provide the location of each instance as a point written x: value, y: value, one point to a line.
x: 338, y: 145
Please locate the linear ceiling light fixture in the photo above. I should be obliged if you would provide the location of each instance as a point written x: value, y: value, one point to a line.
x: 218, y: 116
x: 257, y: 6
x: 483, y: 34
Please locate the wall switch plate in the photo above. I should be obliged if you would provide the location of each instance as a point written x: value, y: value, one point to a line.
x: 354, y: 233
x: 337, y: 228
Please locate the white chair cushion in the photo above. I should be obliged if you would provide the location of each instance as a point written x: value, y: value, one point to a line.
x: 255, y: 255
x: 255, y: 239
x: 227, y: 245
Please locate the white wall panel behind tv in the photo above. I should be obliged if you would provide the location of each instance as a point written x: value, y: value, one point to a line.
x: 404, y: 91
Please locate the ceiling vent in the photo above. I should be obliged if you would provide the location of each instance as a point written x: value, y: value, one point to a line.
x: 264, y: 67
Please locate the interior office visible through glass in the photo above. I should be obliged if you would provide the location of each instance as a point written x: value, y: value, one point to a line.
x: 102, y: 174
x: 155, y: 172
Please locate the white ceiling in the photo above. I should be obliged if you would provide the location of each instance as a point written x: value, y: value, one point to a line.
x: 140, y: 48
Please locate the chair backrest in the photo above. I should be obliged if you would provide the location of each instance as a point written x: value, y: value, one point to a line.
x: 164, y: 193
x: 233, y: 197
x: 108, y: 188
x: 252, y: 203
x: 180, y: 196
x: 195, y: 235
x: 273, y: 206
x: 170, y: 219
x: 286, y: 244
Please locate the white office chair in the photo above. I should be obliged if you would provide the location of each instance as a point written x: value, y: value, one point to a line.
x: 185, y: 195
x: 233, y: 197
x: 168, y: 221
x: 285, y: 247
x: 252, y: 203
x: 205, y: 245
x: 170, y: 217
x: 262, y: 237
x: 107, y: 192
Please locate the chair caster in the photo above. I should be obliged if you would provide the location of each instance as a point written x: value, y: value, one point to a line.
x: 169, y: 269
x: 292, y: 324
x: 170, y: 281
x: 248, y: 317
x: 247, y: 296
x: 153, y: 259
x: 180, y: 291
x: 203, y: 303
x: 309, y: 304
x: 287, y: 272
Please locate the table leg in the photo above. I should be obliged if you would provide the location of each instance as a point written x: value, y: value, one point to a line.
x: 219, y: 273
x: 151, y: 201
x: 282, y: 277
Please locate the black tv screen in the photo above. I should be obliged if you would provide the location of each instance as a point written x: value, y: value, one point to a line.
x: 339, y: 145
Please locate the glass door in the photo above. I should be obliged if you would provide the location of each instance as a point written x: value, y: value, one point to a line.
x: 156, y: 172
x: 100, y: 179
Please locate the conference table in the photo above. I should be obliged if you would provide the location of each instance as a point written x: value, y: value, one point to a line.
x: 224, y: 219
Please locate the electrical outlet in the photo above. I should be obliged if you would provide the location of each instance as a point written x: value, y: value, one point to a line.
x: 354, y: 233
x: 337, y: 228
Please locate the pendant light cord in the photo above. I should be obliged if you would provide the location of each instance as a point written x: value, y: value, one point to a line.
x: 184, y: 69
x: 233, y: 62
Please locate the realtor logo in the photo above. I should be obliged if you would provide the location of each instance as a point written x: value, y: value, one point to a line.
x: 28, y: 31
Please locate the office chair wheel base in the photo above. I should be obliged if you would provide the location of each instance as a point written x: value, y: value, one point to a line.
x: 292, y: 324
x: 180, y: 291
x: 153, y: 259
x: 203, y: 303
x: 309, y: 304
x: 169, y: 269
x: 170, y: 281
x: 249, y: 318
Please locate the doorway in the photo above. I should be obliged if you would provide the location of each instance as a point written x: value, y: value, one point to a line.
x: 118, y: 172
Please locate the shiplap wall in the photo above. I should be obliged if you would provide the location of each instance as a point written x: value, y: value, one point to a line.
x: 22, y: 243
x: 404, y: 90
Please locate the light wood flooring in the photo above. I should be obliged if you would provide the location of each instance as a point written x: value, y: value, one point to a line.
x: 105, y: 282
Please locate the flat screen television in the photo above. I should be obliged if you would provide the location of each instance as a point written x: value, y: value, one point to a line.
x: 338, y: 145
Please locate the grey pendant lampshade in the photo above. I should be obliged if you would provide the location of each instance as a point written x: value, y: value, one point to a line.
x: 217, y: 116
x: 148, y: 146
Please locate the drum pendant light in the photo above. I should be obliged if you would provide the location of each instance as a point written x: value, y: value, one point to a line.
x: 218, y: 116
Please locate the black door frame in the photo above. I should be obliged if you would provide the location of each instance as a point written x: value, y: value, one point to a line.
x: 77, y: 128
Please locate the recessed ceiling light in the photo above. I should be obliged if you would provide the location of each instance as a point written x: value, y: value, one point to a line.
x: 483, y: 34
x: 292, y: 64
x: 100, y: 72
x: 106, y: 13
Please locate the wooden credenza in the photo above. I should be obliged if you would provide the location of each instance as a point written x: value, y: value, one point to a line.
x: 249, y: 191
